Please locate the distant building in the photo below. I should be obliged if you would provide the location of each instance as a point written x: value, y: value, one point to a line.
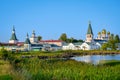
x: 103, y: 35
x: 32, y: 43
x: 56, y: 42
x: 72, y: 46
x: 13, y: 38
x: 27, y: 44
x: 13, y: 44
x: 33, y: 38
x: 89, y: 43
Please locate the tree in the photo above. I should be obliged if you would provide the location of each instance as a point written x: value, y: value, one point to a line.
x: 63, y: 37
x: 112, y: 37
x: 70, y: 40
x: 105, y: 46
x: 117, y: 39
x: 112, y: 44
x: 39, y: 38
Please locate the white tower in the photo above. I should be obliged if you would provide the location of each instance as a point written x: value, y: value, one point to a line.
x: 33, y: 38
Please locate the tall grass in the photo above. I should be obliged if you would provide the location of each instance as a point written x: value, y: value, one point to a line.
x: 55, y: 69
x: 58, y: 69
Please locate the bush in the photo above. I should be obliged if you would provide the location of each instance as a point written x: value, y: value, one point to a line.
x: 5, y: 54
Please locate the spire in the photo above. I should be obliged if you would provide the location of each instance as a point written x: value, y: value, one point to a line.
x: 13, y: 37
x: 27, y: 36
x: 33, y: 33
x: 27, y: 41
x: 13, y: 28
x: 89, y: 29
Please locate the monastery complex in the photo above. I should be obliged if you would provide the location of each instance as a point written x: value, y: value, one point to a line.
x: 32, y: 43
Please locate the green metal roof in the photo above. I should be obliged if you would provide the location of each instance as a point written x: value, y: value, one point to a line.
x: 13, y: 37
x: 88, y: 43
x: 78, y: 43
x: 89, y: 29
x: 27, y: 41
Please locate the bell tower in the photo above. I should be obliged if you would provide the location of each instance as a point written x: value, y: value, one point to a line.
x: 33, y: 38
x: 89, y: 35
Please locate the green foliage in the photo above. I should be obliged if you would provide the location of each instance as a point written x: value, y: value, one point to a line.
x: 63, y: 37
x: 5, y: 77
x: 39, y: 38
x: 60, y: 69
x: 112, y: 37
x: 117, y: 39
x: 110, y: 62
x: 4, y: 53
x: 112, y: 43
x: 105, y: 46
x: 72, y: 40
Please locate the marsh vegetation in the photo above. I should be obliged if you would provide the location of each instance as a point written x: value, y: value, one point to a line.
x: 15, y: 67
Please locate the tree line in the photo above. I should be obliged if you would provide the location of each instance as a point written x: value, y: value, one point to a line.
x: 64, y: 38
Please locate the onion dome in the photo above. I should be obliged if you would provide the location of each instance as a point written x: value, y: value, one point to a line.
x: 99, y: 33
x: 103, y: 31
x: 108, y: 33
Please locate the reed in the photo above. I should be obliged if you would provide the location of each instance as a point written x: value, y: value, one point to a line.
x: 56, y: 69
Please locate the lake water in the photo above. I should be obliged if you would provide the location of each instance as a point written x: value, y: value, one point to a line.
x: 95, y: 59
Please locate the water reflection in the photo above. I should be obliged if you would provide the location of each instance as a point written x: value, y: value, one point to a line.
x: 95, y: 59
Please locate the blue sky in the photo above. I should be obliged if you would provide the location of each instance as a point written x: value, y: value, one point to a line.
x: 51, y: 18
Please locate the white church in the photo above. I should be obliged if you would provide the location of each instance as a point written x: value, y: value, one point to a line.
x: 90, y: 43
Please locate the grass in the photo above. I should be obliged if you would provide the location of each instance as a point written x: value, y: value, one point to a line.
x: 5, y: 70
x: 109, y: 62
x: 5, y: 77
x: 5, y: 67
x: 56, y: 68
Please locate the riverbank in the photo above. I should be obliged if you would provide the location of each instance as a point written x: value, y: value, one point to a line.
x: 66, y: 54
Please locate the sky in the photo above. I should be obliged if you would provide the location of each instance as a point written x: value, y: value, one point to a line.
x: 51, y: 18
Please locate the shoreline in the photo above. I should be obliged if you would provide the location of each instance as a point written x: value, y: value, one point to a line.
x: 68, y: 54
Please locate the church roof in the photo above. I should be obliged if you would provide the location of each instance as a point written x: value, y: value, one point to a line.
x: 13, y: 37
x: 27, y: 41
x: 78, y: 43
x: 51, y: 41
x: 100, y: 41
x: 12, y: 44
x: 89, y: 29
